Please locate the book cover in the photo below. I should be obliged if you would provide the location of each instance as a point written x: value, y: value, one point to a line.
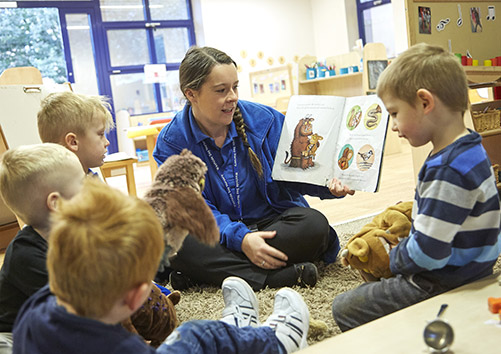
x: 328, y: 136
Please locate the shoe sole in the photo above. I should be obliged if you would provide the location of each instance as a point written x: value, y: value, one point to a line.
x: 248, y: 291
x: 296, y: 301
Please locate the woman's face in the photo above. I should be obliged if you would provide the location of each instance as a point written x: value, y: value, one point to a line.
x: 215, y: 102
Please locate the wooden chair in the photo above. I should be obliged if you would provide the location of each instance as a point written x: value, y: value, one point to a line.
x: 25, y: 75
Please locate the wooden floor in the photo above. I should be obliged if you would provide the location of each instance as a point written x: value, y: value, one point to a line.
x: 397, y: 184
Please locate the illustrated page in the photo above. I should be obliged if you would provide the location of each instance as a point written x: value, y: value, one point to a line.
x: 360, y: 143
x: 306, y: 151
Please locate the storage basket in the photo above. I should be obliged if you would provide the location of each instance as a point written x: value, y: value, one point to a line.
x: 496, y: 172
x: 489, y: 120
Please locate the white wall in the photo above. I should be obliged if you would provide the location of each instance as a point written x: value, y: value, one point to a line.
x: 282, y: 28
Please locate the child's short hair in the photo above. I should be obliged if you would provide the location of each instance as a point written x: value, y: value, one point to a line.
x: 102, y: 244
x: 29, y: 173
x: 429, y: 67
x: 65, y: 112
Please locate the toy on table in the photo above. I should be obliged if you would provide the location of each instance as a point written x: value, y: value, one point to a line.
x: 368, y: 250
x: 494, y: 304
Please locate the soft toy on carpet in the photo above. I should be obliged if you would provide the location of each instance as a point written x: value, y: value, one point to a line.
x: 368, y: 250
x: 176, y: 197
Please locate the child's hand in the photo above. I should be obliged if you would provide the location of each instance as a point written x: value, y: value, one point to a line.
x: 338, y: 189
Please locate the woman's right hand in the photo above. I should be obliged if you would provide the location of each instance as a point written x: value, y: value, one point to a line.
x: 260, y: 253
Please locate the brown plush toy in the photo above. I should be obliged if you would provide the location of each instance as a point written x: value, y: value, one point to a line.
x: 368, y: 250
x: 176, y: 197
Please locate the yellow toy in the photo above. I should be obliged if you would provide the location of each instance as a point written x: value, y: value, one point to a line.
x: 368, y: 250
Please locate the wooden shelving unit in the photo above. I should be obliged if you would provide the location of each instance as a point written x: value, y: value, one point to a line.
x: 347, y: 85
x: 491, y: 139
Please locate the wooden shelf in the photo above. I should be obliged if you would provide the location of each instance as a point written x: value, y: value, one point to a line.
x: 337, y: 77
x: 490, y: 132
x: 483, y: 76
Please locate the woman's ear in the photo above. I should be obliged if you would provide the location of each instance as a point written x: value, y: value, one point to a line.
x: 426, y: 100
x: 190, y: 95
x: 52, y: 199
x: 71, y: 141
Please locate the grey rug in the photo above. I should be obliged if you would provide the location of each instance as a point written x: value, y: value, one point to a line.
x: 207, y: 302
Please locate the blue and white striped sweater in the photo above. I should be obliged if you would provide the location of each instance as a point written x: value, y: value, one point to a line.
x: 455, y: 236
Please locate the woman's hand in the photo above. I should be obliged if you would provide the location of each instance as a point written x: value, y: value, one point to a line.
x: 260, y: 253
x: 338, y: 189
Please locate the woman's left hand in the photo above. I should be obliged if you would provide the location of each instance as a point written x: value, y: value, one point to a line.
x: 338, y: 189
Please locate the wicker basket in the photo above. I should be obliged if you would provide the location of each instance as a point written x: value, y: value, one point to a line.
x: 489, y: 120
x: 496, y: 172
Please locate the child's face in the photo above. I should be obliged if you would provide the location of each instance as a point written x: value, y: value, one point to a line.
x: 407, y: 120
x: 92, y: 146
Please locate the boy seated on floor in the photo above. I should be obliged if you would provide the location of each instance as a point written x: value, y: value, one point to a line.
x: 104, y: 250
x: 455, y: 232
x: 79, y: 123
x: 31, y: 182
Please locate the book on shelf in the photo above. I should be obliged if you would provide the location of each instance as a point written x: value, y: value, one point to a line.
x: 325, y: 137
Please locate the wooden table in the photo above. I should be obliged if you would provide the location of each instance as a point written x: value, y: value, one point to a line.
x: 402, y: 331
x: 151, y: 133
x: 121, y: 167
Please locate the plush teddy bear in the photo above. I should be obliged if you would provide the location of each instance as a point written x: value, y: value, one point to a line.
x: 176, y: 197
x: 368, y: 250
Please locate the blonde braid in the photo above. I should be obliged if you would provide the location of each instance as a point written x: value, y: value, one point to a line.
x: 240, y: 126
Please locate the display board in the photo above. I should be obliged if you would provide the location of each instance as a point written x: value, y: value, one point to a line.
x: 18, y: 116
x: 462, y: 27
x: 271, y: 84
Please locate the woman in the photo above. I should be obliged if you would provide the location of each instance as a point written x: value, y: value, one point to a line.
x: 269, y: 235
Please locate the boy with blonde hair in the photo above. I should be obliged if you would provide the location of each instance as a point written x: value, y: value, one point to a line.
x: 79, y: 123
x: 104, y: 250
x: 31, y: 183
x: 455, y: 233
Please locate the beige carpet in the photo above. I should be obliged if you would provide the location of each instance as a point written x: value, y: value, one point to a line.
x: 207, y: 303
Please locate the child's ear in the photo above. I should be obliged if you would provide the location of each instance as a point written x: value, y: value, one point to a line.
x: 52, y: 199
x: 71, y: 141
x: 136, y: 296
x: 426, y: 100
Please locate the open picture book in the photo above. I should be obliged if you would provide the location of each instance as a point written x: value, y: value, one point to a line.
x: 328, y: 136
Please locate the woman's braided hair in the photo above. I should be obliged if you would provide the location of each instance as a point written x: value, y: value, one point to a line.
x: 193, y: 72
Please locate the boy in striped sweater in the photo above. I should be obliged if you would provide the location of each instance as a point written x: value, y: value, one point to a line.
x: 455, y: 234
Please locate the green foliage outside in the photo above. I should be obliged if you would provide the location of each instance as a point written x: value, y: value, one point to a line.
x: 32, y: 37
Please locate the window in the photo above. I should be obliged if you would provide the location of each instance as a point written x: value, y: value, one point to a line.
x: 102, y: 47
x: 375, y: 23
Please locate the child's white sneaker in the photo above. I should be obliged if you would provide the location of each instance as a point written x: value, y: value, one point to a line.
x: 241, y: 306
x: 290, y: 320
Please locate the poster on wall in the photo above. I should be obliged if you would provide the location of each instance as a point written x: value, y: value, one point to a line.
x: 476, y: 24
x: 424, y: 16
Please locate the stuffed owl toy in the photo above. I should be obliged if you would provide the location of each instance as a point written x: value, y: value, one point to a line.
x: 368, y: 251
x: 176, y: 197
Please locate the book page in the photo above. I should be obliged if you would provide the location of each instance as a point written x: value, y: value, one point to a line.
x: 308, y: 140
x: 360, y: 143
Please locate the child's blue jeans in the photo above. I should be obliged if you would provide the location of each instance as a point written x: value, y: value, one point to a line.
x: 376, y: 299
x: 218, y: 337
